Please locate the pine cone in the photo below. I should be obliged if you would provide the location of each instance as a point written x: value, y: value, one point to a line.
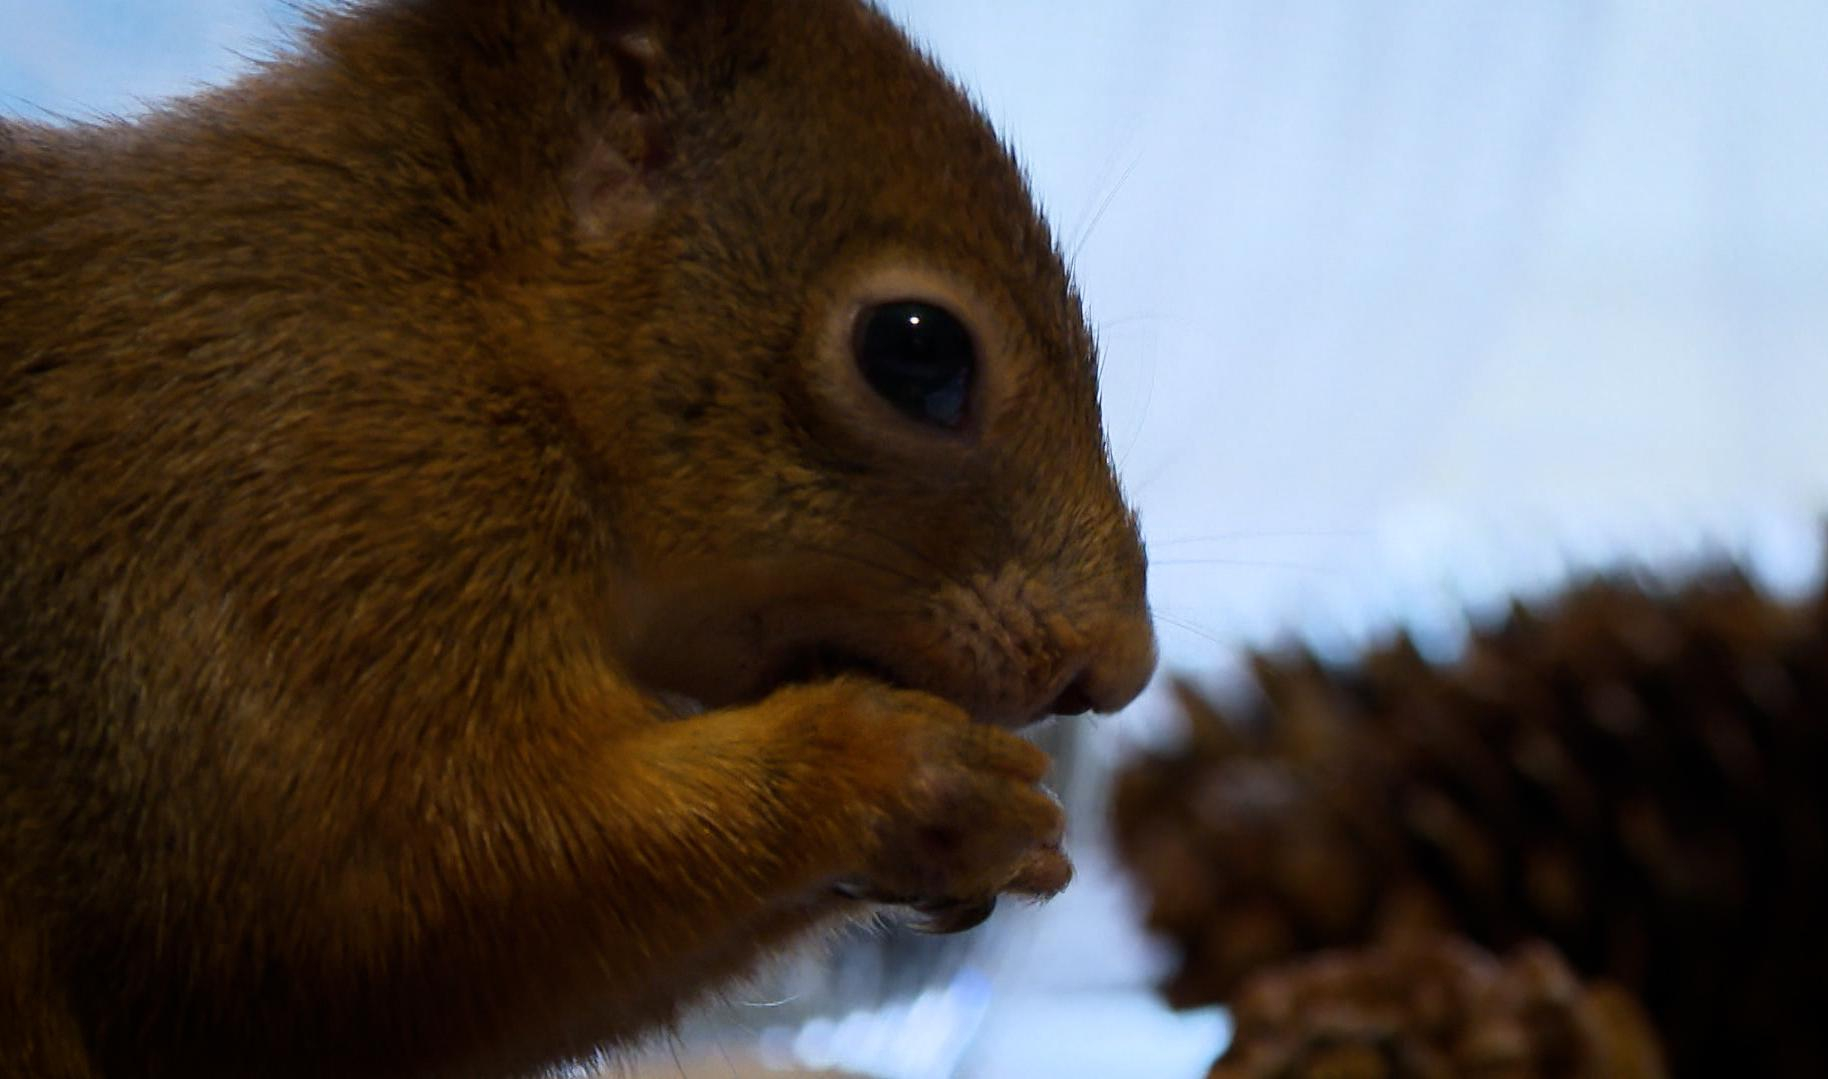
x: 1637, y: 776
x: 1435, y: 1008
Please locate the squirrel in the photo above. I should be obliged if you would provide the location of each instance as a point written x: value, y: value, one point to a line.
x: 513, y: 514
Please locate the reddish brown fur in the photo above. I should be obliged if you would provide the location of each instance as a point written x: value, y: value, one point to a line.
x: 385, y: 438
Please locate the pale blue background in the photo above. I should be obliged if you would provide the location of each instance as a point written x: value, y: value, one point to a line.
x: 1405, y: 304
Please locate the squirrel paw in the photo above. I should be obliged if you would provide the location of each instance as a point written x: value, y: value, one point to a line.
x: 959, y: 815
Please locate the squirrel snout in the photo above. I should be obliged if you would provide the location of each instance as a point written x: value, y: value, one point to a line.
x: 1117, y: 662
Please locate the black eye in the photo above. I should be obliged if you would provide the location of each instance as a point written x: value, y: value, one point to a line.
x: 919, y: 358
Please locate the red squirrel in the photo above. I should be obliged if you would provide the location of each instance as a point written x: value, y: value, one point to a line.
x: 514, y: 513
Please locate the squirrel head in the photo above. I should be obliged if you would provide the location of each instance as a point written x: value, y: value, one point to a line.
x: 837, y: 388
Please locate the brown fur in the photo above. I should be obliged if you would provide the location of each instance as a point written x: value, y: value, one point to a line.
x: 389, y: 439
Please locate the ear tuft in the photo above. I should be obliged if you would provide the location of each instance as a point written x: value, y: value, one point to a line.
x: 613, y: 21
x: 612, y: 17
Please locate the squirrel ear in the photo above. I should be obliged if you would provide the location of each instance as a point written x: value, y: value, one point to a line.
x: 613, y: 17
x: 613, y: 186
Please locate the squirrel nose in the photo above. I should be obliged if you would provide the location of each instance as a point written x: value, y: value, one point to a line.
x: 1117, y: 664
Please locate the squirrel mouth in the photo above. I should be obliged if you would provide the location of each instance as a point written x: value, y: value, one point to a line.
x: 824, y: 661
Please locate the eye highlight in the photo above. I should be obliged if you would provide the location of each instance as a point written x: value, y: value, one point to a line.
x: 918, y: 357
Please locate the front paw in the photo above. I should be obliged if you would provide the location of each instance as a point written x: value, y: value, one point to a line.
x: 954, y: 812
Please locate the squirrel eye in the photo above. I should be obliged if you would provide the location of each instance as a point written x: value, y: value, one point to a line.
x: 919, y: 358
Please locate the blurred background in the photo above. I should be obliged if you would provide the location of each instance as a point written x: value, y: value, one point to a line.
x: 1405, y: 308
